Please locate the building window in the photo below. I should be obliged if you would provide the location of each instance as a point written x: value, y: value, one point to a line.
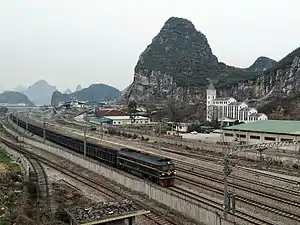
x: 270, y: 139
x: 254, y: 137
x: 286, y: 139
x: 241, y: 135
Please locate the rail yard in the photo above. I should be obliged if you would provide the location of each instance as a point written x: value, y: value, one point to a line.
x: 257, y: 196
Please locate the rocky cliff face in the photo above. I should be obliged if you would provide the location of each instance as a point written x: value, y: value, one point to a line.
x: 276, y: 91
x: 177, y: 65
x: 282, y: 80
x: 179, y: 62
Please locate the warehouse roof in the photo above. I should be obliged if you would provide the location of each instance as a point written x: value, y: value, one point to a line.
x: 269, y: 126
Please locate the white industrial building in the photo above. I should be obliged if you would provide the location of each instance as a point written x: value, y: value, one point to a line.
x: 126, y: 120
x: 227, y: 109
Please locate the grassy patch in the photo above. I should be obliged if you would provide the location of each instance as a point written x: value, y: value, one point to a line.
x: 5, y: 222
x: 4, y: 158
x: 10, y: 195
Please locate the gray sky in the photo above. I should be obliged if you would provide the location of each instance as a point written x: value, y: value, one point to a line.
x: 70, y: 42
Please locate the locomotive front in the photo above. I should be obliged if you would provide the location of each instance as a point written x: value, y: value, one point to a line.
x: 167, y: 173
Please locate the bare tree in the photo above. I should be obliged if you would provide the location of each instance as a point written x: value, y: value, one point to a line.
x: 215, y: 116
x: 175, y: 113
x: 132, y: 109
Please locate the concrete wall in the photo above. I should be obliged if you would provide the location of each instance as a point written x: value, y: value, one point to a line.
x: 197, y: 211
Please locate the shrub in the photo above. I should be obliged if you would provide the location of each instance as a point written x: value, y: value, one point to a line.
x: 296, y: 166
x: 134, y: 136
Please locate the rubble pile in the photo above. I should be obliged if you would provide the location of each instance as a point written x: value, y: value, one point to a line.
x: 103, y: 210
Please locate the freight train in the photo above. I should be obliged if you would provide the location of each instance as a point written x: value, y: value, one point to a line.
x: 157, y: 169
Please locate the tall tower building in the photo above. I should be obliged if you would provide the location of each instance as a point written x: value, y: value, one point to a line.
x: 211, y: 94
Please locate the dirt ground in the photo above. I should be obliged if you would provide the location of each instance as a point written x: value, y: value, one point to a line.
x: 65, y: 196
x: 11, y: 189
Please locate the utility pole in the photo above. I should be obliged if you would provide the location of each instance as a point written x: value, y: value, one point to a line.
x: 229, y: 198
x: 226, y: 174
x: 44, y: 132
x: 159, y: 134
x: 26, y: 125
x: 17, y: 121
x: 101, y: 125
x: 26, y: 128
x: 84, y: 140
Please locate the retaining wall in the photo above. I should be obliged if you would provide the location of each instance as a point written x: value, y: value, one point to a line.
x: 200, y: 213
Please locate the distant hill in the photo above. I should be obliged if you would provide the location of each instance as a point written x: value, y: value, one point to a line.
x: 67, y: 91
x: 98, y: 92
x: 12, y: 97
x: 40, y: 92
x: 78, y: 88
x: 20, y: 89
x: 262, y: 64
x: 125, y: 89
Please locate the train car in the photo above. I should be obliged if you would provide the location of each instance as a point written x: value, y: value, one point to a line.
x: 158, y: 169
x: 102, y: 153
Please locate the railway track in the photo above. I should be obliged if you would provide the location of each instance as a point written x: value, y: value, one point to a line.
x: 39, y: 176
x: 154, y: 214
x: 219, y: 160
x: 187, y: 167
x: 258, y: 204
x: 278, y: 205
x: 218, y: 205
x: 254, y: 203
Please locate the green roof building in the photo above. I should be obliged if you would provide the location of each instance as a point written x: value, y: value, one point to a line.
x: 269, y: 126
x: 264, y: 131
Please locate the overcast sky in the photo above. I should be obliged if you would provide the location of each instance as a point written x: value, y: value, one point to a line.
x: 70, y: 42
